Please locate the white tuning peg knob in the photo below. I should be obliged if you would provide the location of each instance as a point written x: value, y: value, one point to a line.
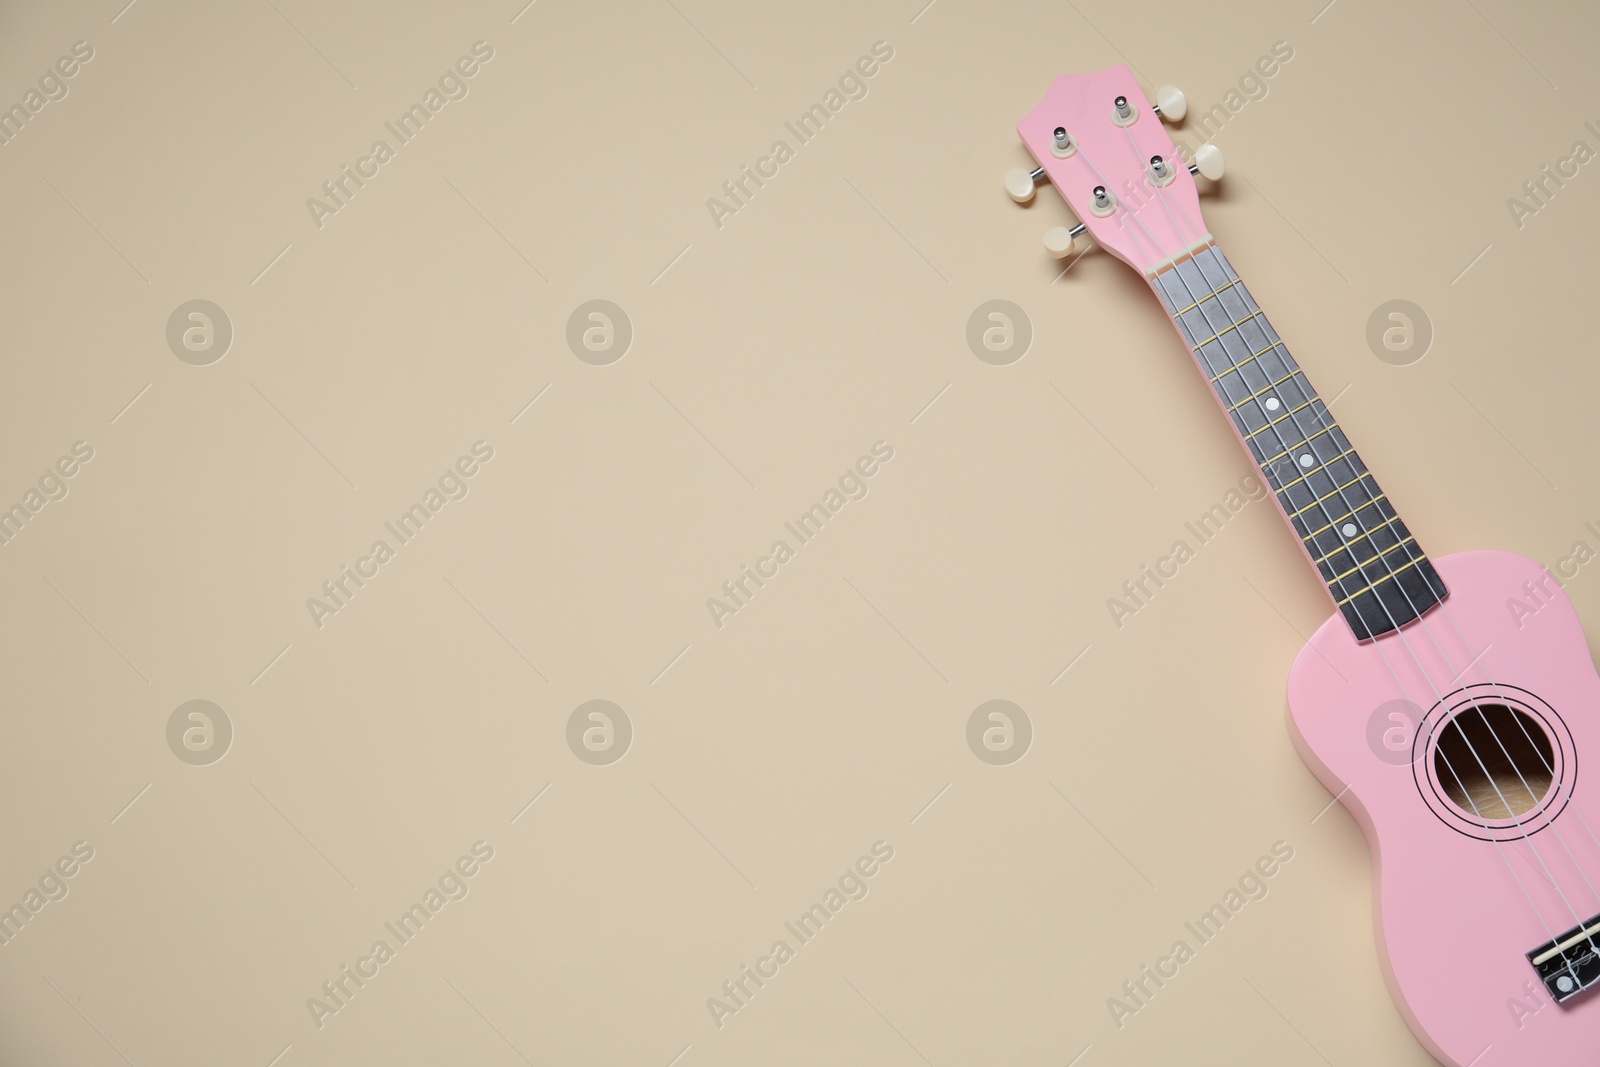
x: 1208, y: 161
x: 1019, y: 184
x: 1060, y: 241
x: 1171, y: 103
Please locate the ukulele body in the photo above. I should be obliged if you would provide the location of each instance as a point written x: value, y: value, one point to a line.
x: 1452, y: 896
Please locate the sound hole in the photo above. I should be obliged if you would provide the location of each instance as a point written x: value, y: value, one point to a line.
x: 1493, y: 761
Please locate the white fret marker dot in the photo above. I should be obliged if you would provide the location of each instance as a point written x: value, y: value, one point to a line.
x: 1272, y: 403
x: 1349, y: 529
x: 1306, y: 461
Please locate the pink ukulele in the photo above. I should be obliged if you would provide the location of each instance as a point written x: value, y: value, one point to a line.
x: 1446, y: 701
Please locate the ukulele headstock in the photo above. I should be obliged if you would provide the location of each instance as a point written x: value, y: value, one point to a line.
x: 1103, y: 147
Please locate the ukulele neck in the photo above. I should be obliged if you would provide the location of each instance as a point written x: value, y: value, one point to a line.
x: 1375, y: 571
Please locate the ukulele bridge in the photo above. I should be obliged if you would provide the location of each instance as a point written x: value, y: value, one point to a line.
x: 1570, y: 963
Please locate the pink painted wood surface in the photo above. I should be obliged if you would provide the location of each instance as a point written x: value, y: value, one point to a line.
x: 1148, y: 226
x: 1453, y: 924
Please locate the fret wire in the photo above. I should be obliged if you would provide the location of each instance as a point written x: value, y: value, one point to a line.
x: 1365, y: 535
x: 1268, y: 388
x: 1374, y: 559
x: 1313, y: 470
x: 1352, y: 514
x: 1307, y: 441
x: 1340, y: 489
x: 1392, y: 572
x: 1203, y: 299
x: 1243, y: 363
x: 1257, y: 314
x: 1280, y: 418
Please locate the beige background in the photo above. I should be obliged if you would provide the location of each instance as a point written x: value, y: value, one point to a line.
x: 768, y: 355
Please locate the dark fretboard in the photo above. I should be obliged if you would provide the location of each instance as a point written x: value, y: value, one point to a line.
x: 1377, y: 573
